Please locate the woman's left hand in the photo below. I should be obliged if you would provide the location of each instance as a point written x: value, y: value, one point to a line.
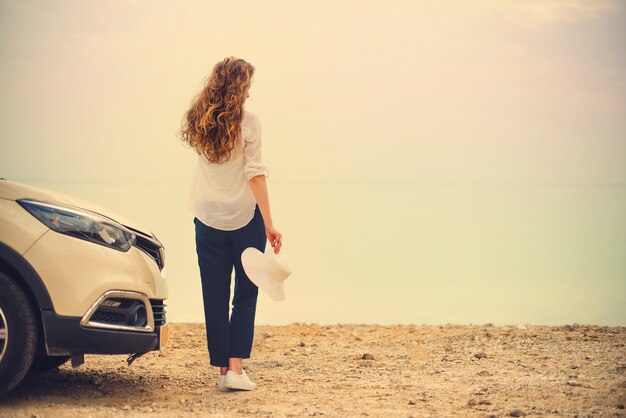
x: 275, y: 238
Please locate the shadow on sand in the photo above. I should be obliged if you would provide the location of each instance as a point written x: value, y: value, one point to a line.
x: 83, y: 386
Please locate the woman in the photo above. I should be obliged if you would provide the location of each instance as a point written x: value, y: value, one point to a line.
x: 229, y: 200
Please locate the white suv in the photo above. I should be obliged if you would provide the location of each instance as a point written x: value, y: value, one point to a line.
x: 75, y: 279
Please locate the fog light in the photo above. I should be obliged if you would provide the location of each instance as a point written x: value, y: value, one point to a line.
x: 138, y: 318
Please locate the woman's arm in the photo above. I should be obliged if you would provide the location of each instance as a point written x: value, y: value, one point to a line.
x: 259, y: 189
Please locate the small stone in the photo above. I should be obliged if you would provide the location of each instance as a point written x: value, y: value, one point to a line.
x: 480, y: 355
x: 484, y: 373
x: 484, y: 402
x: 411, y: 402
x: 301, y: 344
x: 517, y: 413
x: 367, y: 356
x: 481, y: 391
x: 620, y: 406
x: 472, y: 402
x: 572, y: 383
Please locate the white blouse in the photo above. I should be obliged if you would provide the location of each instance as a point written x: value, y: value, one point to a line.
x: 220, y: 195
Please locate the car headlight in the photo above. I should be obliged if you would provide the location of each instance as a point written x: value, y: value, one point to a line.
x: 81, y: 223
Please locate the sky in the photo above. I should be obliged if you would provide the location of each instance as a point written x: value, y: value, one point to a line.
x: 382, y: 121
x: 348, y: 91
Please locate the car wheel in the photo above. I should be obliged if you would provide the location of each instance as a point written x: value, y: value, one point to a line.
x: 18, y: 334
x: 45, y: 363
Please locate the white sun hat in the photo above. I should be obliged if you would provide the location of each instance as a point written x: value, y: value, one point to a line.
x: 267, y: 270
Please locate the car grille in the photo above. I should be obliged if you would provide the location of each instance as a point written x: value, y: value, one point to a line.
x: 109, y: 318
x: 158, y: 310
x: 151, y: 247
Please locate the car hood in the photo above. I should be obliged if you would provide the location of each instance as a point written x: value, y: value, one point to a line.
x: 12, y: 190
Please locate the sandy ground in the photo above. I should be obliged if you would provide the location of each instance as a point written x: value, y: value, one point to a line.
x: 352, y: 370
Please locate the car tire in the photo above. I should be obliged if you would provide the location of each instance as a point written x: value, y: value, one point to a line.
x: 18, y: 334
x: 43, y: 363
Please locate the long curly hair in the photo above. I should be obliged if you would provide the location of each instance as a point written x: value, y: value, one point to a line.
x: 213, y: 123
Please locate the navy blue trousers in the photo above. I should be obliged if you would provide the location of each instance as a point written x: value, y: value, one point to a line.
x: 218, y: 253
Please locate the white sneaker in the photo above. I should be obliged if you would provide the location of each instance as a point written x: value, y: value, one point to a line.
x: 220, y: 384
x: 238, y: 381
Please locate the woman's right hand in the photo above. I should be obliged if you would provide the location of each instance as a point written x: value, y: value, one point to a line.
x: 274, y: 237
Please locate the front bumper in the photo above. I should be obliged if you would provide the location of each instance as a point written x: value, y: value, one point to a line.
x: 65, y: 335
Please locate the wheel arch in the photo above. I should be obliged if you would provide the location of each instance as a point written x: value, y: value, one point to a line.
x: 24, y: 275
x: 12, y: 263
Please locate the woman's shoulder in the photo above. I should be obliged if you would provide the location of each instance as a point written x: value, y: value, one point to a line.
x: 251, y: 126
x: 250, y: 118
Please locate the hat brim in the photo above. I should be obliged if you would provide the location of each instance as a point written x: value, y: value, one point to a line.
x: 254, y: 262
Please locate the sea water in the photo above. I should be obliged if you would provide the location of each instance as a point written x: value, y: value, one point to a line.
x: 412, y: 253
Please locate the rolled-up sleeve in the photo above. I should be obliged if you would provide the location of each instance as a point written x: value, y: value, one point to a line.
x: 252, y: 152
